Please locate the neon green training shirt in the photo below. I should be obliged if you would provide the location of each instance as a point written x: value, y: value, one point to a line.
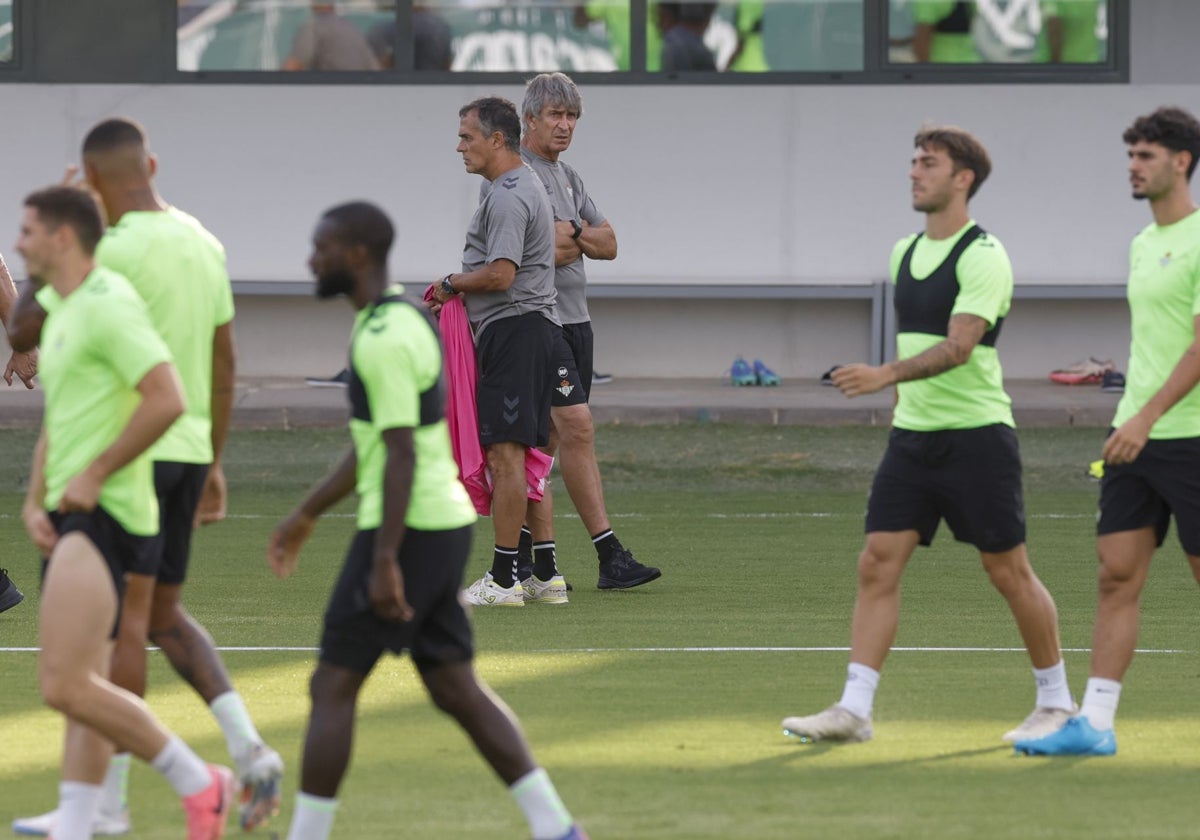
x: 396, y: 383
x: 972, y: 394
x: 1164, y: 299
x: 96, y: 347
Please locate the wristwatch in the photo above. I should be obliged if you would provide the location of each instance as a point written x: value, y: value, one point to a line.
x: 578, y: 229
x: 447, y: 288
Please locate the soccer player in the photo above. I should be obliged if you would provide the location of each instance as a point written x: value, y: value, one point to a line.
x: 400, y: 584
x: 551, y: 109
x: 507, y: 284
x: 111, y: 392
x: 1152, y: 456
x: 178, y: 268
x: 952, y: 453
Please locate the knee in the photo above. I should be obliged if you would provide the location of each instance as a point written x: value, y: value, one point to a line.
x: 451, y: 694
x: 330, y: 689
x: 506, y: 459
x: 575, y: 427
x: 62, y: 691
x: 1116, y: 577
x: 877, y: 569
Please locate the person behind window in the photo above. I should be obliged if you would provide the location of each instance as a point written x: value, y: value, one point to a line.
x: 431, y: 41
x: 682, y: 26
x: 1070, y: 31
x: 942, y: 32
x: 327, y: 41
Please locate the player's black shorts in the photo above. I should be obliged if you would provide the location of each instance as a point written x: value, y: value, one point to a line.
x: 178, y: 487
x: 969, y: 477
x: 1164, y: 480
x: 121, y: 550
x: 515, y: 357
x: 573, y: 360
x: 438, y: 634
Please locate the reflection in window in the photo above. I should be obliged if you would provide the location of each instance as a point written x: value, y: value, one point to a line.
x: 284, y: 35
x: 6, y: 31
x: 537, y: 35
x: 998, y: 31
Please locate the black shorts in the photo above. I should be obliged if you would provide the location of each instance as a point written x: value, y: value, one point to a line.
x: 178, y: 487
x: 573, y: 359
x: 1164, y: 480
x: 438, y: 634
x: 122, y: 551
x: 515, y: 357
x: 969, y: 477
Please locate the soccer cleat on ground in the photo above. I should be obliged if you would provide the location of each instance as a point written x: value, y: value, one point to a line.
x: 105, y: 825
x: 1113, y: 382
x: 576, y: 833
x: 623, y: 572
x: 740, y: 373
x: 1076, y: 737
x: 10, y: 596
x: 1041, y: 721
x: 207, y: 810
x: 837, y: 723
x: 341, y: 379
x: 259, y: 774
x: 485, y: 592
x: 763, y: 375
x: 538, y: 591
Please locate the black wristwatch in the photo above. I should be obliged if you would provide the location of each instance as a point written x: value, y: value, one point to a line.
x: 446, y: 287
x: 578, y: 229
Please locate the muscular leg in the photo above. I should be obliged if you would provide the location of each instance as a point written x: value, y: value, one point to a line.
x: 576, y: 437
x: 507, y: 462
x: 186, y: 644
x: 1124, y: 563
x: 334, y: 692
x: 1030, y: 603
x: 877, y: 606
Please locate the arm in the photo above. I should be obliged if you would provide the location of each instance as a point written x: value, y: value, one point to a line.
x: 496, y: 276
x: 23, y: 362
x: 224, y: 363
x: 387, y: 582
x: 1126, y: 443
x: 37, y: 522
x: 598, y: 242
x: 964, y: 333
x: 922, y: 41
x: 1054, y: 38
x: 284, y: 548
x: 160, y: 406
x: 25, y: 322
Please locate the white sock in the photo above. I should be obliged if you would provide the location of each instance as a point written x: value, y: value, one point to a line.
x: 115, y: 798
x: 1052, y: 689
x: 312, y: 818
x: 235, y: 723
x: 859, y: 694
x: 1100, y: 702
x: 547, y: 815
x: 182, y: 768
x: 78, y: 804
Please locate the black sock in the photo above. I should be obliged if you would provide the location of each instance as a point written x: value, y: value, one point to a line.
x: 605, y: 543
x: 504, y: 566
x: 525, y: 544
x: 544, y: 567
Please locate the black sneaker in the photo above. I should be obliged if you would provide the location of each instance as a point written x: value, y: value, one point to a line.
x: 341, y: 379
x: 1113, y: 382
x: 623, y: 572
x: 10, y: 596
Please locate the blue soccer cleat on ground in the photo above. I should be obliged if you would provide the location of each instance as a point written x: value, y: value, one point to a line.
x: 763, y: 375
x: 740, y: 373
x: 1077, y: 737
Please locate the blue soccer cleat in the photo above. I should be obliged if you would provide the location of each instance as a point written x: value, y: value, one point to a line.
x: 1077, y: 737
x: 740, y: 373
x: 764, y: 375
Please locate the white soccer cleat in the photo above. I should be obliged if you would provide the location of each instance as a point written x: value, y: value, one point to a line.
x: 538, y: 591
x: 485, y: 592
x: 105, y: 825
x: 259, y: 773
x: 1041, y: 722
x: 837, y: 723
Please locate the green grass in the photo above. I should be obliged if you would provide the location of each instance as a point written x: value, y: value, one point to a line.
x: 757, y: 530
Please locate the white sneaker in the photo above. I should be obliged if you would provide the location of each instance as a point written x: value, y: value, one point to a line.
x: 837, y: 723
x: 1040, y: 723
x: 106, y: 825
x: 538, y: 591
x: 258, y: 773
x: 485, y: 592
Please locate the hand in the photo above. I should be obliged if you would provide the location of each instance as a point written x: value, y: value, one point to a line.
x: 71, y: 177
x: 439, y: 294
x: 40, y: 529
x: 858, y: 379
x: 283, y: 551
x: 1126, y: 443
x: 24, y: 365
x: 81, y: 494
x: 212, y: 498
x: 386, y: 590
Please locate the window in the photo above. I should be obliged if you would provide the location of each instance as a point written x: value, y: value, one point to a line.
x: 7, y: 33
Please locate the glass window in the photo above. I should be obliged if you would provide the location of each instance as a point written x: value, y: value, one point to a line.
x: 7, y: 32
x: 998, y: 31
x: 537, y: 35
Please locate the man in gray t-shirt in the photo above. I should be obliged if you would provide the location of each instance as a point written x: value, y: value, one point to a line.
x: 507, y: 284
x: 551, y: 108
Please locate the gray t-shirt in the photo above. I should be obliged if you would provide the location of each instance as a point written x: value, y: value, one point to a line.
x: 329, y: 42
x: 569, y: 199
x: 513, y: 222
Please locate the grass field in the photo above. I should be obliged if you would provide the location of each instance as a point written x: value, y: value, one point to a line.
x: 657, y: 710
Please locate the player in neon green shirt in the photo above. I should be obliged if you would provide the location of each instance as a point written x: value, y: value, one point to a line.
x: 952, y: 453
x: 1152, y: 456
x: 399, y: 588
x: 111, y: 391
x: 942, y: 32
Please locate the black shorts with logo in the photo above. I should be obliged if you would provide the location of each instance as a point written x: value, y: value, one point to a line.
x: 573, y: 360
x: 178, y: 487
x: 439, y: 633
x: 515, y: 358
x: 969, y: 477
x: 122, y: 551
x: 1163, y: 480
